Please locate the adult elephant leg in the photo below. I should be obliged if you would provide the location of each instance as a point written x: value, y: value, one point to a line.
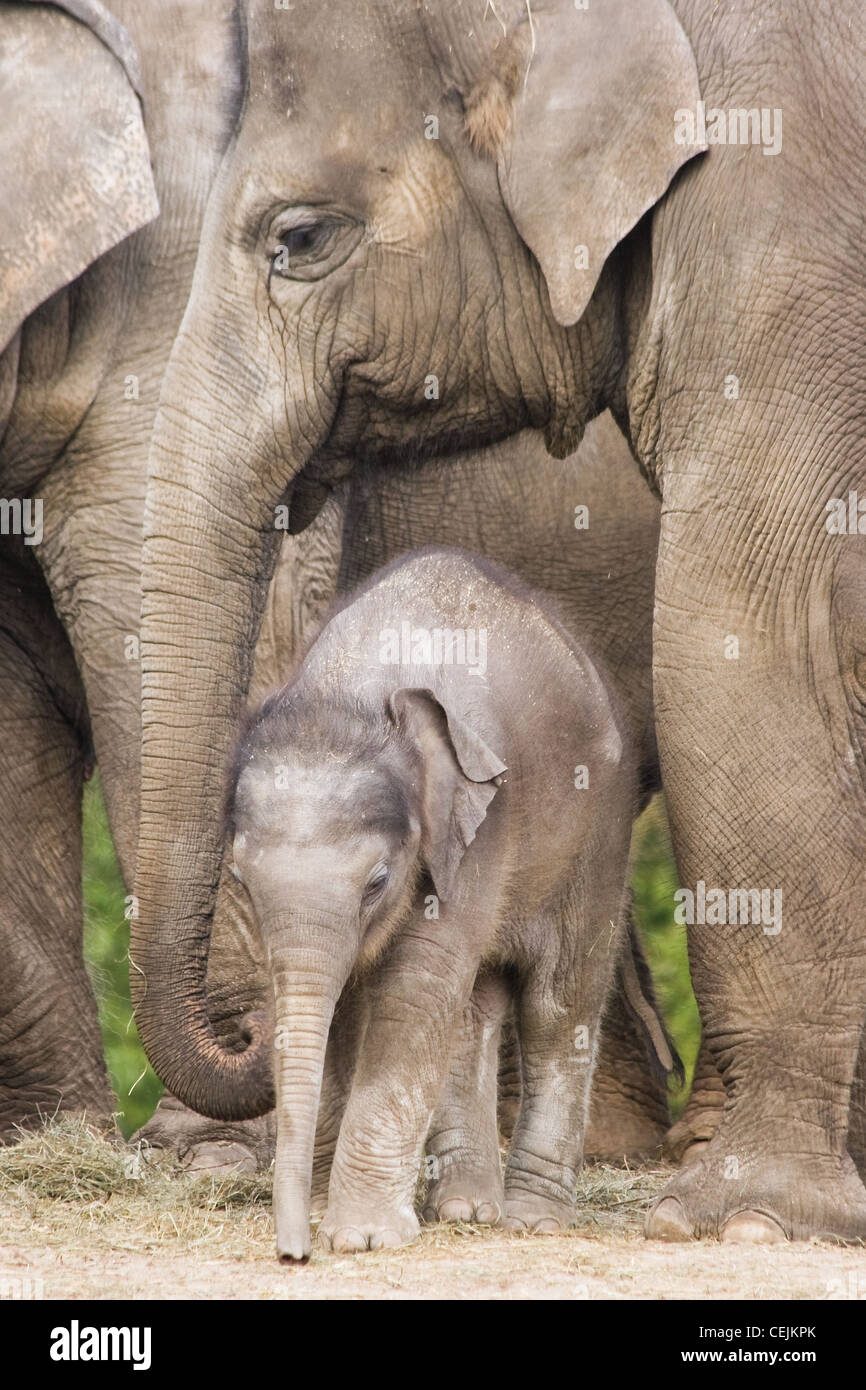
x: 762, y: 759
x: 50, y: 1043
x: 703, y: 1112
x: 857, y: 1112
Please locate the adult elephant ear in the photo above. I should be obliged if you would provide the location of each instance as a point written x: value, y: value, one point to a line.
x: 461, y: 775
x: 75, y: 175
x: 579, y: 105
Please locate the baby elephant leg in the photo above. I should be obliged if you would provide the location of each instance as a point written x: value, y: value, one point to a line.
x: 336, y: 1088
x: 415, y: 1003
x: 559, y: 1019
x: 463, y: 1165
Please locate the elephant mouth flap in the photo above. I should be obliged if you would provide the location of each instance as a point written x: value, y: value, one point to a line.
x: 310, y: 490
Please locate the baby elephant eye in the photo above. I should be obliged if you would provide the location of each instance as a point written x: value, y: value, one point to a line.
x: 309, y: 244
x: 376, y: 882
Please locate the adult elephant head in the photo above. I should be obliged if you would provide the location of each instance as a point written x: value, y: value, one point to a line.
x: 406, y: 245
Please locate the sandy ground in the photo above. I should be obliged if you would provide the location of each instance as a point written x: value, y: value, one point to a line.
x: 78, y: 1219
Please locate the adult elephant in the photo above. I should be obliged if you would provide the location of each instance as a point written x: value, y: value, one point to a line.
x: 106, y: 118
x: 93, y: 289
x: 361, y: 286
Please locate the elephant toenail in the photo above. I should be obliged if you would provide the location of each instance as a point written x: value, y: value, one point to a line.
x: 456, y: 1209
x: 753, y: 1228
x: 668, y: 1221
x: 548, y: 1227
x: 514, y: 1223
x: 385, y: 1240
x: 348, y: 1240
x: 488, y: 1213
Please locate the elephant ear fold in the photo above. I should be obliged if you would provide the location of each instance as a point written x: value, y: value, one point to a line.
x: 581, y: 113
x: 461, y: 775
x: 75, y: 167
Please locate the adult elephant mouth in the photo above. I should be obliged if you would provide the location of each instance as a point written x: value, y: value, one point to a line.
x: 315, y: 483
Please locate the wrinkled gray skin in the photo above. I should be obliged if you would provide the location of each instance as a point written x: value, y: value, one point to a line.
x: 79, y: 384
x: 85, y: 332
x: 420, y: 816
x: 382, y: 258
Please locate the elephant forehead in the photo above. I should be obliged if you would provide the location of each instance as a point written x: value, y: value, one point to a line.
x: 319, y: 801
x: 350, y: 60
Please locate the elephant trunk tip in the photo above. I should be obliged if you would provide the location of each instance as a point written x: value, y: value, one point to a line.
x: 292, y: 1219
x: 292, y: 1257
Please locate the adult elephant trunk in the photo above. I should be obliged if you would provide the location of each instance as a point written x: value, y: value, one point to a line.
x: 311, y: 965
x: 235, y: 426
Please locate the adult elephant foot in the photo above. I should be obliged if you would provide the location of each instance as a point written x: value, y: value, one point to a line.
x: 210, y: 1147
x: 761, y: 1201
x: 696, y: 1127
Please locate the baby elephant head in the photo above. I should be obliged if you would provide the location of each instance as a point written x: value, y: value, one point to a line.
x: 336, y: 809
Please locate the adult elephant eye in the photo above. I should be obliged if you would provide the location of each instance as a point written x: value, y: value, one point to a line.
x: 308, y: 244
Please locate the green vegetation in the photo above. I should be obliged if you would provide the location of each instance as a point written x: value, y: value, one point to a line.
x: 107, y: 932
x: 654, y: 881
x: 106, y: 941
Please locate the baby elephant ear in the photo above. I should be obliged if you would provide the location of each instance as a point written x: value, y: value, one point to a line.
x: 580, y: 110
x: 460, y: 779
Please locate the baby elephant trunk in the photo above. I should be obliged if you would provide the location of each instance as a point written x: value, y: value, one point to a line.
x: 309, y: 976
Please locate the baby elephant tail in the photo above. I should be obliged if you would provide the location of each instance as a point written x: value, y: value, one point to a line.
x: 637, y: 988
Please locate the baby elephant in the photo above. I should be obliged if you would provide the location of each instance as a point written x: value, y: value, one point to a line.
x: 440, y: 805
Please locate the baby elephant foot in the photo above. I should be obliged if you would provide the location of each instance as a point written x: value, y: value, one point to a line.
x: 467, y: 1190
x: 536, y: 1215
x: 348, y: 1230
